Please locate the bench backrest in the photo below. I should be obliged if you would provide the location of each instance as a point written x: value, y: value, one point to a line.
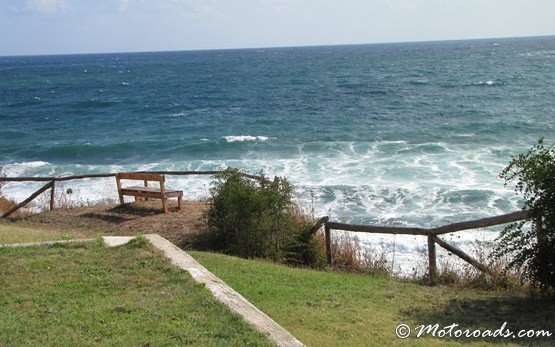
x: 146, y: 177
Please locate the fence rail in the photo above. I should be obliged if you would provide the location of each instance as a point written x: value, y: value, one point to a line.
x: 53, y: 179
x: 432, y: 235
x: 113, y: 174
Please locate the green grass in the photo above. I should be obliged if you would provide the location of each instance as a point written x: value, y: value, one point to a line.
x: 13, y: 233
x: 90, y: 295
x: 335, y: 309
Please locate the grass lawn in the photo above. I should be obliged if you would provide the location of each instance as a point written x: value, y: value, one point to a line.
x: 333, y: 309
x: 91, y: 295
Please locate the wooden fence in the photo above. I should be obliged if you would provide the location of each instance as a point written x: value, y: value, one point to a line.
x: 52, y: 183
x: 431, y: 234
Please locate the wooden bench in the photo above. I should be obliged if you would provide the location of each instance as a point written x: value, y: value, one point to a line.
x: 147, y: 192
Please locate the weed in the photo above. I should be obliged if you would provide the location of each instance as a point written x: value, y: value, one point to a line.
x: 348, y: 255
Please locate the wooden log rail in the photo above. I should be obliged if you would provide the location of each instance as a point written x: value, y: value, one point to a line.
x: 319, y: 223
x: 53, y: 179
x: 113, y: 174
x: 431, y: 234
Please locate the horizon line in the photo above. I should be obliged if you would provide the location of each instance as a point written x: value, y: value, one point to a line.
x: 275, y: 47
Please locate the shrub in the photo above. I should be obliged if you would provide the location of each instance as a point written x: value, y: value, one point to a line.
x: 532, y: 245
x: 256, y: 218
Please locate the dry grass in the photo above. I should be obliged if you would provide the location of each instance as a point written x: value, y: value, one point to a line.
x: 455, y: 272
x: 349, y: 256
x: 66, y: 198
x: 6, y: 204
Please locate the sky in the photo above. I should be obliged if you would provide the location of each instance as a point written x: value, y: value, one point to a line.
x: 95, y: 26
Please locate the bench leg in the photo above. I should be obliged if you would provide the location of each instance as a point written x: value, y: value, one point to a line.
x: 121, y: 201
x: 179, y: 203
x: 164, y: 205
x: 136, y: 199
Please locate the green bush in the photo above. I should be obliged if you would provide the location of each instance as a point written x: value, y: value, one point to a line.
x: 532, y: 245
x: 256, y: 218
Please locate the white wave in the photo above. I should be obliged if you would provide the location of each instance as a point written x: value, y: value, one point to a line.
x: 125, y: 83
x: 464, y: 135
x: 542, y: 53
x: 31, y: 164
x: 487, y: 83
x: 31, y: 168
x: 365, y: 182
x: 243, y: 138
x: 182, y: 113
x: 186, y: 113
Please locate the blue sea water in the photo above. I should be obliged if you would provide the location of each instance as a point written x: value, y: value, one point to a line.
x: 395, y: 134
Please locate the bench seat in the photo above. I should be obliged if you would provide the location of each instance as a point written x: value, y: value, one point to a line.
x: 147, y: 192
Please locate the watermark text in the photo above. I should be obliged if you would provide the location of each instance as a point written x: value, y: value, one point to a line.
x: 455, y: 331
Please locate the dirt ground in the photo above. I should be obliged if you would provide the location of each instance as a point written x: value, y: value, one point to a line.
x: 183, y: 228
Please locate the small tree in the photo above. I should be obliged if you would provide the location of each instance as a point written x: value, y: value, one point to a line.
x: 531, y: 243
x: 256, y: 218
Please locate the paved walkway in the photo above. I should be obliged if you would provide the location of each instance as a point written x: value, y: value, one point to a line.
x: 46, y: 243
x: 224, y: 293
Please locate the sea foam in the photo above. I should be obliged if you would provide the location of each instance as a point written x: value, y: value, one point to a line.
x: 392, y: 183
x: 243, y: 138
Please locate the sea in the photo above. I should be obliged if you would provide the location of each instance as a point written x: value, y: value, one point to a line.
x: 397, y: 134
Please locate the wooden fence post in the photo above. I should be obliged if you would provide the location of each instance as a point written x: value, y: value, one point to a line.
x: 318, y: 224
x: 146, y: 185
x: 53, y: 185
x: 432, y: 260
x: 328, y: 244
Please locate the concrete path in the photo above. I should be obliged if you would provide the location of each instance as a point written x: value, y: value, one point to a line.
x: 224, y: 293
x: 46, y: 243
x: 114, y: 241
x: 110, y: 241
